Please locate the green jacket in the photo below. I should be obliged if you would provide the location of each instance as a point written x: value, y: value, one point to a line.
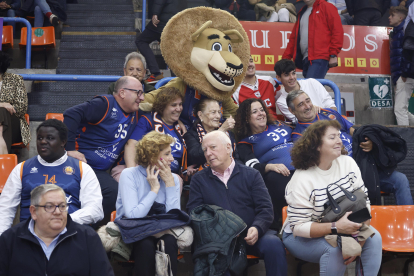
x: 215, y: 232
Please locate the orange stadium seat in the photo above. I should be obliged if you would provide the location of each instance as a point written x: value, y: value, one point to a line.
x: 57, y: 116
x: 396, y: 226
x: 21, y: 145
x: 7, y: 38
x: 7, y: 164
x: 41, y: 37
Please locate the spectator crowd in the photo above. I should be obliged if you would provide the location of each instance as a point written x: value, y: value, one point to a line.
x: 279, y: 145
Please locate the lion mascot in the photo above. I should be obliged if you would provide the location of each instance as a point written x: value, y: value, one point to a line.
x: 208, y: 50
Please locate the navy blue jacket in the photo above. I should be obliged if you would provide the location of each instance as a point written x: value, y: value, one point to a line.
x: 245, y: 195
x: 78, y: 252
x: 396, y: 51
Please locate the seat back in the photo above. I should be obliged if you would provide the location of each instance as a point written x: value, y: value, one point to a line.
x: 44, y: 36
x: 7, y: 37
x: 7, y: 164
x: 396, y: 226
x: 57, y: 116
x: 284, y: 214
x: 21, y: 145
x: 113, y: 215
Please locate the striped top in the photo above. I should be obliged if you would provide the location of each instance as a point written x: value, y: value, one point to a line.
x: 306, y: 192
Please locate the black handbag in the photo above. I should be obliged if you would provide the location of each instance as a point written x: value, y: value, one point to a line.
x: 335, y: 209
x: 239, y: 259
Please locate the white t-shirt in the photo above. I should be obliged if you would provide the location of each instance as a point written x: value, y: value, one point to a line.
x: 316, y: 92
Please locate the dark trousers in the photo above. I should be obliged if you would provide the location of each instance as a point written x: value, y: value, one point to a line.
x: 11, y: 128
x: 271, y: 249
x: 368, y: 17
x: 143, y: 40
x: 276, y: 185
x: 144, y: 255
x: 316, y: 70
x: 109, y: 189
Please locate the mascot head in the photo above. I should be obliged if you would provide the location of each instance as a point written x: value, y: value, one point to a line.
x: 207, y: 48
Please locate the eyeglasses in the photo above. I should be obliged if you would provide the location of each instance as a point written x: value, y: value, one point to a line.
x: 50, y: 208
x: 139, y: 92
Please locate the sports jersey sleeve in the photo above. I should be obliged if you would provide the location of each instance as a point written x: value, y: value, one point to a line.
x: 90, y: 196
x: 10, y: 198
x: 246, y: 155
x: 236, y: 95
x: 88, y: 112
x: 296, y: 135
x: 142, y: 128
x: 347, y: 124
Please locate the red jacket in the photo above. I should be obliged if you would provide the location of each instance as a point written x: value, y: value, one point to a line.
x: 325, y: 34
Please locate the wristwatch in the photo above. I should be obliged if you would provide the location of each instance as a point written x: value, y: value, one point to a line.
x: 332, y: 56
x: 334, y: 230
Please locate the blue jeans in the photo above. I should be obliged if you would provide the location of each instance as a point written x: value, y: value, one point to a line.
x: 39, y: 7
x: 271, y: 249
x: 316, y: 70
x: 331, y: 262
x: 395, y: 3
x: 396, y: 183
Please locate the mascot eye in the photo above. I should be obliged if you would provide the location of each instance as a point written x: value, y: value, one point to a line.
x: 230, y: 48
x: 216, y: 47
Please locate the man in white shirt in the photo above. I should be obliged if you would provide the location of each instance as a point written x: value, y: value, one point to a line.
x: 261, y: 87
x: 286, y: 73
x: 52, y: 166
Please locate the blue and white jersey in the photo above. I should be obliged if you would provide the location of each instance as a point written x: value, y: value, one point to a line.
x: 273, y: 145
x: 151, y: 121
x: 328, y: 114
x: 68, y: 176
x: 101, y: 143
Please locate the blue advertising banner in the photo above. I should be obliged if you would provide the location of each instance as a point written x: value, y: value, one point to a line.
x: 1, y: 30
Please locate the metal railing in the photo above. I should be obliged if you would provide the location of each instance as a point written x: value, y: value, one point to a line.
x: 329, y: 83
x: 144, y: 13
x: 28, y: 38
x: 53, y: 77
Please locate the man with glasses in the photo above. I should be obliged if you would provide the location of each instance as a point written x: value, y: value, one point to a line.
x: 52, y: 166
x: 98, y: 131
x: 50, y: 242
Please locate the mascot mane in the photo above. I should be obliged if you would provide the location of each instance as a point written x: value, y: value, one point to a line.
x: 177, y: 44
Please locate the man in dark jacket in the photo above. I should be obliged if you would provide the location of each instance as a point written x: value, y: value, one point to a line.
x: 241, y: 190
x: 162, y: 11
x: 403, y: 85
x: 50, y: 243
x: 316, y: 39
x: 394, y: 182
x: 367, y: 12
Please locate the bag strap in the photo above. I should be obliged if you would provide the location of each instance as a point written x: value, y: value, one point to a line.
x: 335, y: 206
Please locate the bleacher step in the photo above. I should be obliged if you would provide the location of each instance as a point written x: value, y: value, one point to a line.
x: 101, y: 21
x: 73, y: 8
x: 129, y: 28
x: 93, y: 54
x: 96, y: 2
x: 91, y: 38
x: 100, y: 71
x: 110, y: 62
x: 98, y: 44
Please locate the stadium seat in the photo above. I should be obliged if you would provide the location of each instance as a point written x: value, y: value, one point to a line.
x: 57, y: 116
x: 7, y: 38
x: 21, y: 144
x: 7, y: 164
x: 396, y: 226
x: 42, y: 38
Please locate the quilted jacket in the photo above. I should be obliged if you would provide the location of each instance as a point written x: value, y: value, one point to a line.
x: 215, y: 232
x: 396, y: 51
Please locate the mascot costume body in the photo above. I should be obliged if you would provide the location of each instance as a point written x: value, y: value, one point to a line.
x: 207, y: 49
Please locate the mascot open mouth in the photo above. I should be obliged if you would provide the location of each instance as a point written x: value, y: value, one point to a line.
x: 221, y: 77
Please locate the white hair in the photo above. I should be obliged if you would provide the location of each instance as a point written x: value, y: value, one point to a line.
x: 224, y: 138
x: 135, y: 55
x: 37, y: 193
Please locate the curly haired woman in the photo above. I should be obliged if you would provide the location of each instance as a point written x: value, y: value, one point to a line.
x: 150, y: 188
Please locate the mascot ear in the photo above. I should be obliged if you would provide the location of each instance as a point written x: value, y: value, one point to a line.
x: 195, y: 35
x: 235, y: 36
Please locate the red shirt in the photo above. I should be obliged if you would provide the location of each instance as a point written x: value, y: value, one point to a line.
x: 264, y: 88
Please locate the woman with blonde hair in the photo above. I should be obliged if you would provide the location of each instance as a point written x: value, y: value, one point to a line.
x: 147, y: 189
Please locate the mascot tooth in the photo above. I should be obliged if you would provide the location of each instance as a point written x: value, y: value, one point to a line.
x: 209, y: 51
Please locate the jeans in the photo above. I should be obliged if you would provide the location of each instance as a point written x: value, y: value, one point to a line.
x: 331, y: 262
x: 395, y: 3
x: 403, y: 91
x: 39, y: 7
x: 109, y: 189
x: 368, y: 17
x: 316, y: 70
x: 396, y: 183
x: 142, y: 41
x: 271, y: 249
x: 346, y: 19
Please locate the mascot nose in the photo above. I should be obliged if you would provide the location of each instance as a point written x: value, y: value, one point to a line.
x: 236, y: 67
